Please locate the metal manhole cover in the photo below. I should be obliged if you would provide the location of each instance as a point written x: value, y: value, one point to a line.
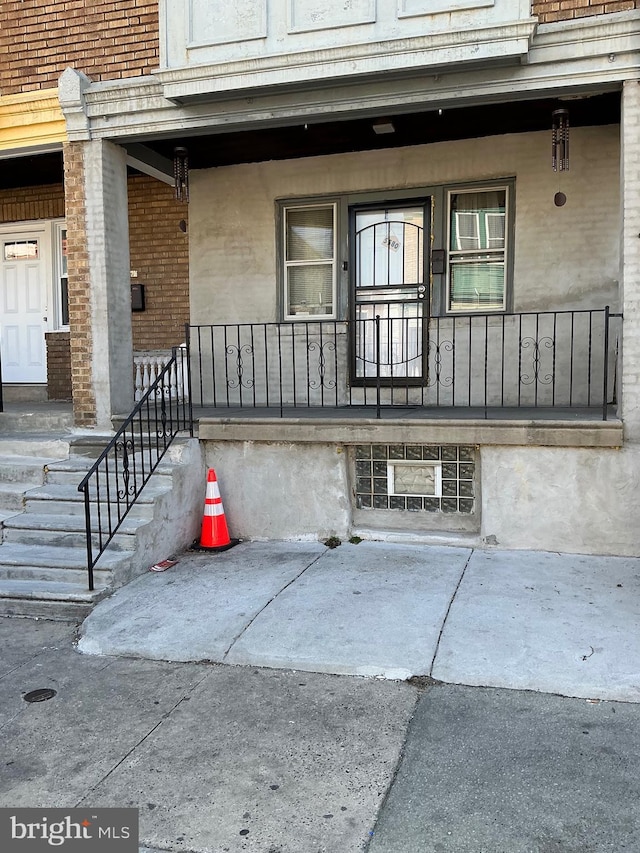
x: 39, y: 695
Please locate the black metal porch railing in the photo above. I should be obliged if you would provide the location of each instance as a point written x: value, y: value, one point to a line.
x: 115, y: 481
x: 556, y: 359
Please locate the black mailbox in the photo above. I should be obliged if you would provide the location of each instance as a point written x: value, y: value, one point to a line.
x: 137, y: 297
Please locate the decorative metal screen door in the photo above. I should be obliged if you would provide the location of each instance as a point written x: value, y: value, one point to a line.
x: 389, y: 290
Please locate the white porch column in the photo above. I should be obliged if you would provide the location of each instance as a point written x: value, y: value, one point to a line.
x: 107, y: 235
x: 630, y: 258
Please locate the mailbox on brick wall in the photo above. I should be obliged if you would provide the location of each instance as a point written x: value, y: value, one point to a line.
x: 137, y: 297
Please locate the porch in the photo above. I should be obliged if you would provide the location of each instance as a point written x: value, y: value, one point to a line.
x: 552, y: 365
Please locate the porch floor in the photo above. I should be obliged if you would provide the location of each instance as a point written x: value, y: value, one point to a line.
x: 45, y: 416
x: 559, y: 427
x: 357, y: 413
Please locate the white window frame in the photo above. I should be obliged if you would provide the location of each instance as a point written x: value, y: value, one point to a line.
x: 286, y: 264
x: 58, y: 227
x: 503, y: 254
x: 475, y: 218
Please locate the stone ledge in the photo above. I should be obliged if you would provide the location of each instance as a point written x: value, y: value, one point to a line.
x: 525, y: 433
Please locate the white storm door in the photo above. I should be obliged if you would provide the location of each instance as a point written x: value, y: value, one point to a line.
x: 22, y: 300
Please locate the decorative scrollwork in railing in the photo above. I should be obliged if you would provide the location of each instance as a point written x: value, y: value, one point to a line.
x: 162, y: 431
x: 536, y: 359
x: 435, y: 350
x: 238, y: 351
x: 125, y: 448
x: 322, y: 381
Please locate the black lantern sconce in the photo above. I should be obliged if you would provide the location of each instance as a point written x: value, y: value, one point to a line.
x: 560, y: 140
x: 181, y: 174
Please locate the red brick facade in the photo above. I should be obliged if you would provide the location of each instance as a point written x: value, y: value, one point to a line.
x: 105, y: 39
x: 564, y: 10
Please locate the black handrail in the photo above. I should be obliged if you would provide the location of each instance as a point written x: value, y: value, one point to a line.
x: 118, y: 476
x: 565, y: 359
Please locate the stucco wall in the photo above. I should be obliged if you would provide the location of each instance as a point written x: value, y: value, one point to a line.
x: 279, y: 490
x: 557, y: 499
x: 571, y: 500
x: 565, y: 257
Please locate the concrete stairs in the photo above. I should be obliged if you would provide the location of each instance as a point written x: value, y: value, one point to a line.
x: 43, y: 555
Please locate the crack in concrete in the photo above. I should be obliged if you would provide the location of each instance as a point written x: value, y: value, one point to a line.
x: 129, y: 752
x: 446, y: 615
x: 271, y: 600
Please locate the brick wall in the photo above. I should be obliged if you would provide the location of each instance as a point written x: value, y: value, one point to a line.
x: 58, y: 366
x: 84, y: 404
x: 103, y: 38
x: 563, y: 10
x: 160, y: 254
x: 32, y: 203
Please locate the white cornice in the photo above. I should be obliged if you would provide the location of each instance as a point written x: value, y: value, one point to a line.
x: 297, y: 70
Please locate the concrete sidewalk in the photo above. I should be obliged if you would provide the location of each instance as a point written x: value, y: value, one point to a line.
x: 563, y: 624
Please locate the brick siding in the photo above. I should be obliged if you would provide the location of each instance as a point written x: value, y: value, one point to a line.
x: 104, y: 39
x: 58, y: 366
x: 28, y: 203
x: 160, y: 254
x: 564, y: 10
x: 84, y: 404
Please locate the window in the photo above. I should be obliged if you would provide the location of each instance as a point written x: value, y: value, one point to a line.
x: 414, y: 478
x: 23, y: 250
x: 477, y: 250
x: 62, y: 277
x: 309, y: 261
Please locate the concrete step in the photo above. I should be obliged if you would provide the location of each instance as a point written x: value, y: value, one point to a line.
x: 73, y: 471
x: 62, y: 499
x: 12, y: 496
x: 66, y: 531
x: 43, y: 552
x: 90, y: 447
x: 23, y: 469
x: 15, y: 554
x: 48, y: 600
x: 43, y: 445
x: 7, y: 513
x: 42, y: 574
x: 26, y: 419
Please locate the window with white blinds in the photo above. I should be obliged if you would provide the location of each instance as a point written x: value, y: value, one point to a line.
x: 477, y: 250
x: 310, y: 261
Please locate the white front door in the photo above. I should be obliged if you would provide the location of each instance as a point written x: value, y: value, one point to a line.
x: 22, y: 305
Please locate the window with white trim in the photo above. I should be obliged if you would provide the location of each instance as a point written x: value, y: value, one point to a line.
x: 309, y: 261
x: 477, y: 256
x: 61, y: 277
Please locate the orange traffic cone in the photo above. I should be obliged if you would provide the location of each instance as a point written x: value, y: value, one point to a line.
x: 215, y: 534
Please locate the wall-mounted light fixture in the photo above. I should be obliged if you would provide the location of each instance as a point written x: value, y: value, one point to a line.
x: 181, y: 174
x: 560, y: 140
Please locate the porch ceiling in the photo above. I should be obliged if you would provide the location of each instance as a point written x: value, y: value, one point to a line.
x: 282, y: 143
x: 416, y: 128
x: 31, y: 171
